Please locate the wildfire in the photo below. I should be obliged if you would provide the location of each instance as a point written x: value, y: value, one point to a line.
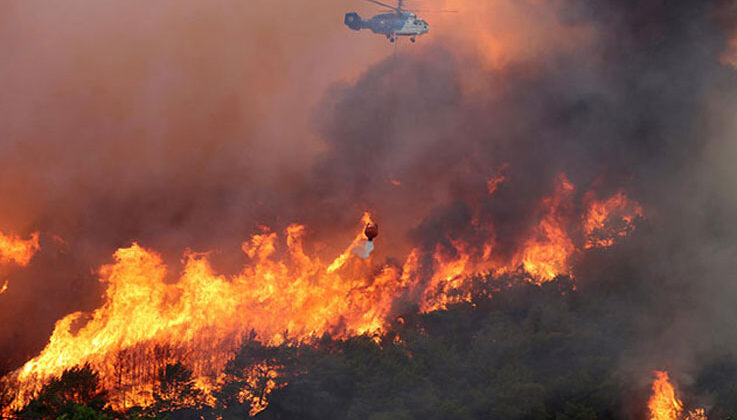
x: 544, y: 255
x: 281, y: 295
x: 664, y: 405
x: 205, y: 313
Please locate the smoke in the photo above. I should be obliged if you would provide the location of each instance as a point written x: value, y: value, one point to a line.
x: 154, y: 123
x: 643, y: 102
x: 187, y: 124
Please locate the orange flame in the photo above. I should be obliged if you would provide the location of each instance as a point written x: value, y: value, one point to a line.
x: 546, y: 253
x: 14, y: 249
x: 261, y: 381
x: 206, y: 313
x: 696, y: 414
x: 600, y: 223
x: 664, y: 405
x: 281, y: 295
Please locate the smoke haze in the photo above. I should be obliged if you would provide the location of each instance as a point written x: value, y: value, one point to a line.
x: 190, y: 124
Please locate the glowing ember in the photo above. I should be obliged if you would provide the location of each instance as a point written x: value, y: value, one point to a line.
x: 664, y: 405
x: 494, y: 182
x: 697, y: 414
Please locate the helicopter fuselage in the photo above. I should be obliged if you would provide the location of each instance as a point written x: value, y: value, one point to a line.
x: 389, y: 24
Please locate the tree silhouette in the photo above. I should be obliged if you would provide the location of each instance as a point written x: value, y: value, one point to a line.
x: 78, y: 386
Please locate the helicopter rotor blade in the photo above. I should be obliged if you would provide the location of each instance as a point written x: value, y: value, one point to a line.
x: 431, y: 11
x: 383, y: 4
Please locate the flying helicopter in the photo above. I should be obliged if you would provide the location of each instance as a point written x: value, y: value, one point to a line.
x: 399, y: 22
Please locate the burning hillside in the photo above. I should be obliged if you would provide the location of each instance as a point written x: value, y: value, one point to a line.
x: 554, y: 183
x: 284, y: 294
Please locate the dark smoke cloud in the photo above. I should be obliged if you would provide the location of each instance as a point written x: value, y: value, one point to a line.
x: 646, y: 105
x: 184, y: 124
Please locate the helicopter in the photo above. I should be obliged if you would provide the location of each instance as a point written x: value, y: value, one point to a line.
x: 400, y: 22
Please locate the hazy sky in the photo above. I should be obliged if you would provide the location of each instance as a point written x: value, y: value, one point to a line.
x: 187, y: 123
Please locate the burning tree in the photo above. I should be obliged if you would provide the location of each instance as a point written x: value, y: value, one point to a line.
x: 176, y: 389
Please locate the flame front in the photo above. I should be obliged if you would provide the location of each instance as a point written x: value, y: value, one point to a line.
x: 281, y: 295
x: 205, y: 313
